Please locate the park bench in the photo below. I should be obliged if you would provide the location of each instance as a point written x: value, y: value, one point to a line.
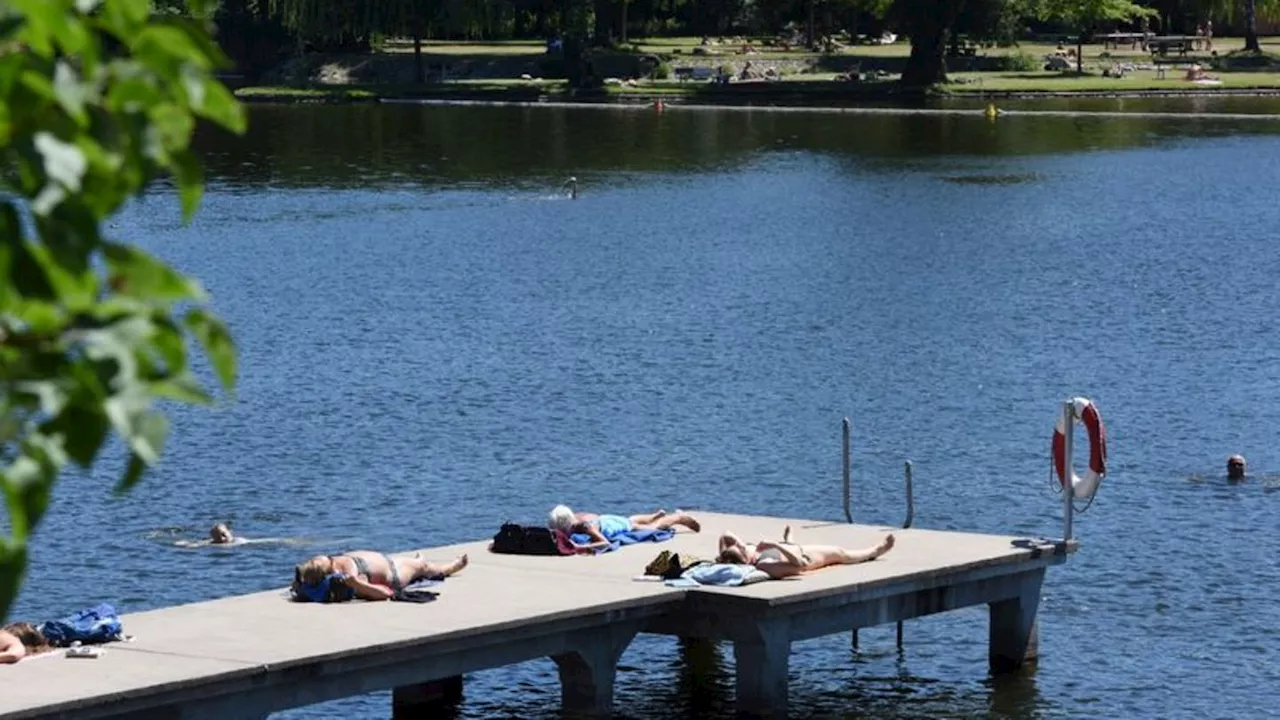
x: 1162, y: 46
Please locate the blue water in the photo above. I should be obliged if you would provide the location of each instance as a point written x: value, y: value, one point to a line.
x: 433, y: 341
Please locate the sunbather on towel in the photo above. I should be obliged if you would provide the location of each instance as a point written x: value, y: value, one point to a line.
x: 372, y: 575
x: 602, y: 529
x: 18, y: 640
x: 787, y: 559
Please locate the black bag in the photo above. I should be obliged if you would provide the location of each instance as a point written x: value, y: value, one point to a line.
x: 516, y: 539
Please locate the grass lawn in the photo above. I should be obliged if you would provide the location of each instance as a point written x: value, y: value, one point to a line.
x: 1141, y: 80
x: 969, y: 83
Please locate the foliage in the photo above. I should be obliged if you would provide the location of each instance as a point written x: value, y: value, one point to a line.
x: 662, y: 71
x: 97, y: 99
x: 1021, y: 62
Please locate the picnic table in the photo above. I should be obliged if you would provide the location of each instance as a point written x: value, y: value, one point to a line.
x: 1163, y: 44
x: 1114, y: 39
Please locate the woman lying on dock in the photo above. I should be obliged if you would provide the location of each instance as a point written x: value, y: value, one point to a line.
x: 18, y: 640
x: 365, y: 574
x: 603, y: 529
x: 787, y: 559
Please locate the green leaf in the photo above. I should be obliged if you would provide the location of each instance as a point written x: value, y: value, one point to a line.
x: 84, y: 431
x: 213, y: 335
x: 133, y: 472
x: 71, y: 92
x: 183, y: 388
x: 165, y: 44
x: 220, y: 106
x: 152, y: 430
x: 138, y: 274
x: 190, y: 178
x: 173, y: 125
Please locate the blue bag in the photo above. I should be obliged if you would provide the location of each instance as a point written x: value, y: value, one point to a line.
x: 98, y: 624
x: 330, y: 589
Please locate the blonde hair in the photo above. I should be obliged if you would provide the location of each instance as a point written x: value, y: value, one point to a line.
x: 560, y: 518
x: 314, y: 570
x: 30, y: 636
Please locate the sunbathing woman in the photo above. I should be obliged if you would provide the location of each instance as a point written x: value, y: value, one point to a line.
x: 604, y: 528
x: 786, y: 559
x: 18, y: 640
x: 365, y: 574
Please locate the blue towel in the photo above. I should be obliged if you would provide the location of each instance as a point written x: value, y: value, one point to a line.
x: 723, y: 574
x: 629, y: 537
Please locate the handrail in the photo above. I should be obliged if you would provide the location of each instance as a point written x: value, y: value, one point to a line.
x: 911, y: 516
x: 848, y: 512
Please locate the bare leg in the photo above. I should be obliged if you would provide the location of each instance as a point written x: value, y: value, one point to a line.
x: 666, y: 522
x: 421, y: 568
x: 852, y: 557
x: 637, y: 520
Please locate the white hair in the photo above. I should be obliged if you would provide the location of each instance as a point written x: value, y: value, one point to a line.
x: 560, y: 518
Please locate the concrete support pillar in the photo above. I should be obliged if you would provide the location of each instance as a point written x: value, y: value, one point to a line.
x: 1014, y: 637
x: 429, y: 700
x: 763, y: 657
x: 587, y: 672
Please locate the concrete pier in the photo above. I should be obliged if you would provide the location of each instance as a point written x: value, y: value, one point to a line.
x: 249, y: 655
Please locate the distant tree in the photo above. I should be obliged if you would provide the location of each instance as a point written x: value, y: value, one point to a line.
x: 93, y: 330
x: 337, y: 20
x: 1086, y: 15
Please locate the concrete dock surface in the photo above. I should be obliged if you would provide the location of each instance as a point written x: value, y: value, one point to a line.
x: 249, y: 655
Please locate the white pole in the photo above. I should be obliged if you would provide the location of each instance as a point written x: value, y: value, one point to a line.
x: 1068, y: 491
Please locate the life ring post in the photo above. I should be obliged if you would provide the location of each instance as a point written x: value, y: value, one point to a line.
x: 1068, y: 491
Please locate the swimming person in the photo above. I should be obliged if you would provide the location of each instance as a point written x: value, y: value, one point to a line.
x: 1235, y: 467
x: 220, y: 534
x: 367, y: 574
x: 603, y: 529
x: 787, y: 559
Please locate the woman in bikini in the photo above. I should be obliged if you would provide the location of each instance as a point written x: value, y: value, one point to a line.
x: 787, y: 559
x: 365, y: 574
x: 602, y: 529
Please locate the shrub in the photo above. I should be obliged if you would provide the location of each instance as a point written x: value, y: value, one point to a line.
x: 1021, y: 62
x: 662, y: 71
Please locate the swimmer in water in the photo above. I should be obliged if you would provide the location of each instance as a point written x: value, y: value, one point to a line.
x: 220, y: 534
x: 1235, y: 467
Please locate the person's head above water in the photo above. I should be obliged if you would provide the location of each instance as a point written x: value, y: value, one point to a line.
x: 220, y: 534
x: 1235, y: 467
x: 560, y: 518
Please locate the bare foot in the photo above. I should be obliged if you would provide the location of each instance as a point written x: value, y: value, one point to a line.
x: 885, y: 546
x: 455, y: 566
x: 691, y: 523
x: 661, y: 513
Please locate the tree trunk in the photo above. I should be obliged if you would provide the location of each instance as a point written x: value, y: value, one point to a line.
x: 419, y: 73
x: 602, y: 28
x: 927, y: 64
x: 1080, y: 53
x: 1251, y: 26
x: 623, y: 24
x: 812, y: 38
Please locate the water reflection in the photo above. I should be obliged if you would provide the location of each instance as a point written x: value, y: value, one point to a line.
x: 537, y: 148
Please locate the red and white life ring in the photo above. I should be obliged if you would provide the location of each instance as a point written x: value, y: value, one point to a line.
x: 1084, y: 411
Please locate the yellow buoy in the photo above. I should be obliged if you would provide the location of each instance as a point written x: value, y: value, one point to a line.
x: 992, y: 110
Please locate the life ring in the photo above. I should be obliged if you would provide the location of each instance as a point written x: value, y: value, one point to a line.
x: 1084, y: 411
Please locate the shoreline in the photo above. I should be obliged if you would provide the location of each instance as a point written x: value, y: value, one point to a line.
x: 791, y: 98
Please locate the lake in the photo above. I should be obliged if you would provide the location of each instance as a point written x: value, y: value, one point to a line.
x: 434, y: 339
